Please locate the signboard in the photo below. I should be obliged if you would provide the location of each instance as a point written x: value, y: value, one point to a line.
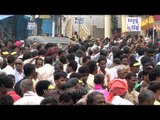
x: 32, y: 26
x: 133, y: 24
x: 79, y: 20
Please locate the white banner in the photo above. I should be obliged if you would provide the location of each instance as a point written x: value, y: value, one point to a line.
x: 133, y: 24
x: 32, y: 26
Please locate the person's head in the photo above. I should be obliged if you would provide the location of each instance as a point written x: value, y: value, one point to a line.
x: 124, y: 59
x: 29, y: 71
x: 26, y: 56
x: 117, y: 61
x: 122, y: 71
x: 19, y: 65
x: 92, y: 66
x: 102, y: 62
x: 126, y: 50
x: 66, y: 99
x: 9, y: 44
x: 155, y: 74
x: 42, y: 52
x: 6, y: 100
x: 49, y: 101
x: 3, y: 83
x: 39, y: 62
x: 140, y: 51
x: 48, y: 60
x: 96, y: 98
x: 63, y: 59
x: 11, y: 59
x: 131, y: 79
x: 134, y: 66
x: 43, y: 88
x: 70, y: 56
x: 150, y: 53
x: 99, y: 79
x: 148, y: 66
x: 61, y: 53
x: 145, y: 59
x: 26, y: 85
x: 146, y: 97
x: 49, y: 47
x: 155, y: 87
x: 84, y: 72
x: 60, y: 78
x: 145, y: 74
x: 117, y: 87
x: 72, y: 66
x: 79, y: 53
x: 86, y: 59
x: 12, y: 77
x: 25, y: 49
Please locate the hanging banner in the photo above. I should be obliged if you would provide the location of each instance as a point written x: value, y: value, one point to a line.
x: 133, y: 24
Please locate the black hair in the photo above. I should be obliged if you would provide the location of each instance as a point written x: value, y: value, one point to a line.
x: 129, y: 75
x: 90, y: 97
x: 99, y: 79
x: 117, y: 61
x: 103, y: 52
x: 70, y: 56
x: 83, y: 48
x: 79, y: 53
x: 34, y: 53
x: 60, y: 74
x: 101, y: 58
x: 18, y: 89
x: 126, y: 50
x: 48, y: 59
x: 145, y: 59
x: 48, y: 45
x: 42, y: 52
x: 140, y: 51
x: 92, y: 66
x: 49, y: 101
x: 83, y: 69
x: 28, y: 69
x: 73, y: 64
x: 11, y: 59
x: 154, y: 86
x: 27, y: 56
x: 123, y: 56
x: 60, y: 51
x: 75, y: 75
x: 41, y: 86
x: 144, y: 95
x: 6, y: 100
x: 8, y: 82
x: 84, y: 58
x: 65, y: 97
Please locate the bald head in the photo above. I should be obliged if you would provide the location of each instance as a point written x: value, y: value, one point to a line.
x: 122, y: 71
x: 26, y: 85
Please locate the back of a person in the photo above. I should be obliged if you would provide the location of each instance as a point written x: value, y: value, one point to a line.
x: 29, y: 100
x: 117, y: 100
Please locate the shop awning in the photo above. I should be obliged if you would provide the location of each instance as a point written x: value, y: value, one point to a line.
x: 4, y: 16
x: 147, y: 23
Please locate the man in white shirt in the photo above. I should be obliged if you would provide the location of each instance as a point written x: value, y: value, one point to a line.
x: 9, y: 69
x: 46, y: 72
x: 29, y: 97
x: 19, y: 74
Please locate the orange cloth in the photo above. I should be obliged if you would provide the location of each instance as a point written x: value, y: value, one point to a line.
x: 117, y: 87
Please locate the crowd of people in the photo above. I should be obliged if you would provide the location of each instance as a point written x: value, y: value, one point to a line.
x: 120, y: 71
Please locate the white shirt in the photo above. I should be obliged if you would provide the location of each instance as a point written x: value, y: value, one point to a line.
x: 18, y: 76
x: 29, y: 98
x: 46, y: 73
x: 117, y: 100
x: 9, y: 70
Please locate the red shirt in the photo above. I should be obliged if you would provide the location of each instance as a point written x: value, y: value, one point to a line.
x: 14, y: 95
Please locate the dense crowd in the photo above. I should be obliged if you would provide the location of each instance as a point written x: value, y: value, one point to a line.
x: 119, y: 71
